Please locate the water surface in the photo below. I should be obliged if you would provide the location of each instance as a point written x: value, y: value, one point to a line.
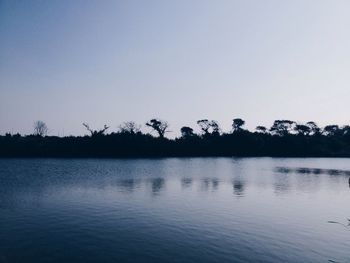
x: 174, y: 210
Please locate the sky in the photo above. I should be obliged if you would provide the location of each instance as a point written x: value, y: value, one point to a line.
x: 105, y: 62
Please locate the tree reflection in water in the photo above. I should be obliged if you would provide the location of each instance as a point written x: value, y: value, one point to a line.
x: 157, y: 185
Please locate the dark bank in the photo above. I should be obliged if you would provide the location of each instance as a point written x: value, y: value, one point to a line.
x: 284, y: 138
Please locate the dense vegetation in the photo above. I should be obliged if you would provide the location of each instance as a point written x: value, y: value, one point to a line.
x: 284, y: 138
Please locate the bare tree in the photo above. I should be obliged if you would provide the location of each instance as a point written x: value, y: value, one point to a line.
x: 130, y: 127
x: 159, y: 126
x: 40, y: 128
x: 96, y: 132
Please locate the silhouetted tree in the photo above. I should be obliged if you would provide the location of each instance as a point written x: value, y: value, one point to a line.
x: 293, y: 140
x: 261, y: 129
x: 302, y: 129
x: 331, y: 130
x: 237, y: 124
x: 209, y: 127
x: 40, y: 128
x: 130, y: 127
x: 159, y: 126
x: 96, y: 132
x: 282, y: 127
x: 215, y: 128
x: 314, y: 129
x: 186, y: 132
x: 204, y: 125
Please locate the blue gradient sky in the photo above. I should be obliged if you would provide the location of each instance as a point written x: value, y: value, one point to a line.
x: 68, y: 62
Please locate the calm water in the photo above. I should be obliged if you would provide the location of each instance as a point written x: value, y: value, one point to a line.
x: 175, y: 210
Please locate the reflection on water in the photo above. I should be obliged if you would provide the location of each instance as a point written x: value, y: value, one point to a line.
x: 238, y: 187
x: 310, y: 176
x: 346, y: 225
x: 127, y: 185
x: 174, y: 210
x: 186, y: 182
x: 315, y: 171
x: 209, y: 184
x: 157, y: 185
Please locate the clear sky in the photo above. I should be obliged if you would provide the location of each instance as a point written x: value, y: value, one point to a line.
x: 68, y: 62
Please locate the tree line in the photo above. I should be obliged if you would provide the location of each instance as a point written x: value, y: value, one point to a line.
x: 283, y: 138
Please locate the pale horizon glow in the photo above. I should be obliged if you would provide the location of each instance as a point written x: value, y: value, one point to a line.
x: 106, y: 62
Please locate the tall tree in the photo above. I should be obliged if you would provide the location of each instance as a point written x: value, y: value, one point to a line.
x: 186, y: 132
x: 204, y: 126
x: 282, y: 127
x: 302, y: 129
x: 159, y: 126
x: 237, y: 124
x: 314, y: 129
x: 215, y: 128
x: 209, y: 127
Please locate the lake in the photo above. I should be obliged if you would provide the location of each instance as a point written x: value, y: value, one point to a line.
x: 175, y: 210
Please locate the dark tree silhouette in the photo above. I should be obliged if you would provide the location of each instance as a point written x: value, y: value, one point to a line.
x: 302, y: 129
x: 331, y: 130
x: 237, y: 124
x: 204, y: 125
x: 209, y: 127
x: 130, y: 127
x: 96, y: 132
x: 314, y: 129
x: 159, y: 126
x: 186, y: 132
x: 215, y: 128
x: 261, y: 129
x: 40, y: 128
x: 287, y: 139
x: 282, y: 127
